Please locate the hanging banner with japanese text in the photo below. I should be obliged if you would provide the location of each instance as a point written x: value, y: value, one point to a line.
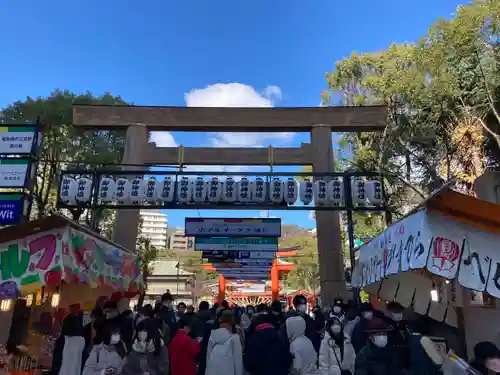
x: 444, y: 246
x: 49, y: 257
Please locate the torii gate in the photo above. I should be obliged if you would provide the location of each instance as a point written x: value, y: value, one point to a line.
x: 276, y: 268
x: 318, y: 121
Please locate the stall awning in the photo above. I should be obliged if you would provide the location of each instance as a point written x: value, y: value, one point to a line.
x: 56, y: 249
x: 451, y: 236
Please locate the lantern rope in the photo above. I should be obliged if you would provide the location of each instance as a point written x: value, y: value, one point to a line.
x: 180, y: 157
x: 270, y: 158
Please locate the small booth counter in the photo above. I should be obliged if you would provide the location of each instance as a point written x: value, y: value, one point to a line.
x: 51, y: 267
x: 442, y: 261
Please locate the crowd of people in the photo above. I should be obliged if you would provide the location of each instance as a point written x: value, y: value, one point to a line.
x: 263, y: 340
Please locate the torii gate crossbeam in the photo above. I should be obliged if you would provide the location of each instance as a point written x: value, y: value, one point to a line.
x: 319, y: 121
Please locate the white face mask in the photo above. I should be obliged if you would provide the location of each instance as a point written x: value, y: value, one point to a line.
x: 368, y: 315
x: 337, y: 309
x: 380, y: 341
x: 301, y: 309
x: 115, y: 339
x: 142, y: 335
x: 336, y: 328
x: 397, y: 317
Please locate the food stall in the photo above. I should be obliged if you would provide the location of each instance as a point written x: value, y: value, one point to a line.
x: 443, y: 261
x: 53, y: 266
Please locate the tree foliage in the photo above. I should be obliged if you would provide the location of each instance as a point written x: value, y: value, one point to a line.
x: 147, y: 254
x: 442, y: 95
x: 305, y: 274
x: 64, y: 145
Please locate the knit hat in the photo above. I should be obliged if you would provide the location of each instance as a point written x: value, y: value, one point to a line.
x: 377, y: 325
x: 365, y: 307
x: 395, y: 307
x: 486, y: 350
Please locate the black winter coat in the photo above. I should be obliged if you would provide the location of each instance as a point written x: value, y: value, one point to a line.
x: 376, y: 361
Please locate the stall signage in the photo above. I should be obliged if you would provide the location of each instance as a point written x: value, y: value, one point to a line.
x: 13, y: 172
x: 237, y: 244
x: 11, y: 208
x: 49, y: 257
x: 443, y: 246
x: 16, y: 139
x: 215, y: 227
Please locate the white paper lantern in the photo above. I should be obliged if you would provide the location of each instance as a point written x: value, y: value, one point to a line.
x: 373, y: 190
x: 259, y: 190
x: 166, y: 190
x: 184, y: 190
x: 137, y: 191
x: 200, y: 189
x: 358, y: 192
x: 336, y: 192
x: 150, y: 190
x: 306, y: 191
x: 291, y: 189
x: 244, y: 190
x: 214, y: 190
x: 229, y: 190
x: 320, y: 189
x: 84, y: 189
x: 107, y: 189
x: 122, y: 193
x: 276, y: 191
x: 68, y: 191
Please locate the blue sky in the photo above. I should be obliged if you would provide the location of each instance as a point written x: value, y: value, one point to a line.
x: 200, y: 53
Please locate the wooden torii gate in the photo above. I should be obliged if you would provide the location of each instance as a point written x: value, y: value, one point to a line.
x: 319, y: 121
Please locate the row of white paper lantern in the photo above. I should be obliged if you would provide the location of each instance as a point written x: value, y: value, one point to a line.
x: 215, y: 190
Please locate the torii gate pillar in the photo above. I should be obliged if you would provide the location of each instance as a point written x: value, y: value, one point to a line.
x: 136, y: 143
x: 330, y: 255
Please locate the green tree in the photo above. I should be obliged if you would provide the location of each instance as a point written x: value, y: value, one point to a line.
x: 147, y: 254
x: 64, y: 145
x: 442, y: 95
x: 305, y: 274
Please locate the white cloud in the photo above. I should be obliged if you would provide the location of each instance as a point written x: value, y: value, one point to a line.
x: 238, y: 95
x: 163, y: 139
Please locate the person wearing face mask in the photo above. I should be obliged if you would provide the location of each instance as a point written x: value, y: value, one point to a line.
x: 168, y: 316
x: 377, y: 357
x: 336, y: 354
x: 486, y: 358
x: 359, y: 335
x: 399, y: 336
x: 300, y: 309
x: 106, y: 358
x: 149, y: 353
x: 337, y: 310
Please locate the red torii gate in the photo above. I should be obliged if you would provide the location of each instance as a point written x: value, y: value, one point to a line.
x: 276, y: 269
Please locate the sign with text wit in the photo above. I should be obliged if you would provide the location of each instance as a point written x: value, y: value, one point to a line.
x: 237, y: 244
x: 11, y: 208
x: 216, y: 227
x: 239, y: 255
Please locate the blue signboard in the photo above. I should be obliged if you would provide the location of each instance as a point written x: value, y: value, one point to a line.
x: 11, y: 207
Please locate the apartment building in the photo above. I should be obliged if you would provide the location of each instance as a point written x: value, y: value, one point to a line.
x: 154, y: 227
x: 179, y: 242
